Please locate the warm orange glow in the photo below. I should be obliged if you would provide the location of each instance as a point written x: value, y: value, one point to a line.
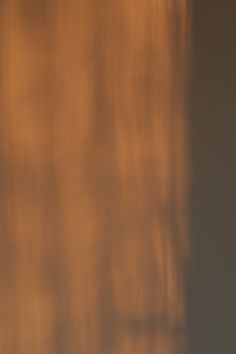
x: 96, y: 158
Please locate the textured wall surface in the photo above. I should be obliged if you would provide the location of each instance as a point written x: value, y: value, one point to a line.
x: 94, y: 176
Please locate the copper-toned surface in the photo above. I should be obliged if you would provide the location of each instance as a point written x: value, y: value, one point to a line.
x: 94, y: 176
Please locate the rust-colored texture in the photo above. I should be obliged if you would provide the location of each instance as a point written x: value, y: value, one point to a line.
x: 94, y: 176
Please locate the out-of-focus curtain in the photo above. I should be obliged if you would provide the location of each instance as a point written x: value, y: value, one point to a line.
x: 94, y: 176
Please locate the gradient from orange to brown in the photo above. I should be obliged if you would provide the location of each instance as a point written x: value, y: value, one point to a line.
x: 95, y: 174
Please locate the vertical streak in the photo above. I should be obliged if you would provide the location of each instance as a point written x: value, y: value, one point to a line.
x: 94, y: 173
x: 8, y: 320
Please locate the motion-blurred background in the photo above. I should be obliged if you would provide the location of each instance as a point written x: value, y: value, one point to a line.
x: 117, y: 176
